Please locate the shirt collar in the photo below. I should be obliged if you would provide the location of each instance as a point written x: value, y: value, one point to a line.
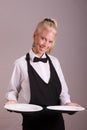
x: 32, y: 55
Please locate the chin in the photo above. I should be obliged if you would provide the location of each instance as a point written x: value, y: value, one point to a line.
x: 42, y: 52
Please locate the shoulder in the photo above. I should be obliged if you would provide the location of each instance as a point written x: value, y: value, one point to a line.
x: 20, y: 61
x: 54, y: 59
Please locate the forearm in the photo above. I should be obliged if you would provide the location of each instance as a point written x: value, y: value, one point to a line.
x: 11, y: 95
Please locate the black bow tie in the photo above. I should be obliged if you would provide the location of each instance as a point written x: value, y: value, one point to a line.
x: 36, y: 59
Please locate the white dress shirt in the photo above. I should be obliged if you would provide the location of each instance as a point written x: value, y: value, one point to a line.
x: 20, y: 81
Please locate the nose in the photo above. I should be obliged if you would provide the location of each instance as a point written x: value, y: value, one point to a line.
x: 44, y: 43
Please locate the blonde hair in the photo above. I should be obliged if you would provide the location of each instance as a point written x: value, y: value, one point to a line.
x: 46, y: 24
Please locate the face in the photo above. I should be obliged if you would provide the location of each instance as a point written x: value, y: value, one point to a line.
x: 43, y: 42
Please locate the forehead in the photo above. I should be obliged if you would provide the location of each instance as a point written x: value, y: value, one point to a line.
x: 47, y: 29
x: 48, y: 33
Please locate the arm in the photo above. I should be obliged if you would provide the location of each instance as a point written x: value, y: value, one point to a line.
x: 14, y: 85
x: 64, y: 96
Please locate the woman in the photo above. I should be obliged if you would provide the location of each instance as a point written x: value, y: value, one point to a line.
x: 40, y: 77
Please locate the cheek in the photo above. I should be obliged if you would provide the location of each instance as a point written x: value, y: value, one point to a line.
x: 36, y: 40
x: 51, y: 45
x: 39, y: 41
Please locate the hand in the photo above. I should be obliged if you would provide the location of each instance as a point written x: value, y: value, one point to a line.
x: 72, y: 104
x: 11, y: 102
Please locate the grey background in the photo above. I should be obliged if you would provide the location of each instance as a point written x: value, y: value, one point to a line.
x: 18, y: 19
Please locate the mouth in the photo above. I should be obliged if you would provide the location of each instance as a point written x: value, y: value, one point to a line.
x: 42, y: 48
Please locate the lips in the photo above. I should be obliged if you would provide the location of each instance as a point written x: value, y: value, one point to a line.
x: 42, y: 48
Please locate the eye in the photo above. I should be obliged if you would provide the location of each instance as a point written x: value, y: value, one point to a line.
x: 51, y: 42
x: 43, y: 38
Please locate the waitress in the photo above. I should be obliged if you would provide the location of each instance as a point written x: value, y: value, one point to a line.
x: 40, y: 77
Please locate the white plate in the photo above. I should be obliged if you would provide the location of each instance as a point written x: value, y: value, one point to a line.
x: 22, y: 107
x: 66, y: 108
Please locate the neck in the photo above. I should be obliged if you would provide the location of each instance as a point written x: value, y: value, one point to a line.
x: 35, y: 51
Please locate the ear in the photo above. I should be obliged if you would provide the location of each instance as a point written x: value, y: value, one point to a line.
x: 34, y: 36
